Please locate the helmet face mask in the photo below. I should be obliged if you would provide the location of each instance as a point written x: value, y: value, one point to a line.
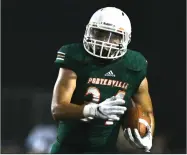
x: 104, y: 43
x: 103, y: 39
x: 106, y: 36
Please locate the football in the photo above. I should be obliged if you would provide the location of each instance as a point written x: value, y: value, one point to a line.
x: 133, y: 114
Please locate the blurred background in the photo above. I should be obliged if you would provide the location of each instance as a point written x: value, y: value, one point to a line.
x: 33, y: 31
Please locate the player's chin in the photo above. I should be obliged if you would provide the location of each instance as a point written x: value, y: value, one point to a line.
x: 104, y: 52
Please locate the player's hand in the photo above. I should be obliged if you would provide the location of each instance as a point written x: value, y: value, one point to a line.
x: 111, y: 109
x: 136, y: 140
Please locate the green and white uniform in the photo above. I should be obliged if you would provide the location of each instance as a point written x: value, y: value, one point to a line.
x: 102, y: 80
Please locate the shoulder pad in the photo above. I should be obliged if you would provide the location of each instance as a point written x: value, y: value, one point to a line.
x: 72, y: 51
x: 70, y: 56
x: 135, y: 60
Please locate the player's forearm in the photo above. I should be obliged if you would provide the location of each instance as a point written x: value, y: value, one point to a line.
x: 67, y: 111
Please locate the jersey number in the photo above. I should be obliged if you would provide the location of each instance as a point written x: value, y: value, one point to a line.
x: 97, y: 95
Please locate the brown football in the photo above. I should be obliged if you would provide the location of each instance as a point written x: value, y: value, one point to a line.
x: 134, y: 113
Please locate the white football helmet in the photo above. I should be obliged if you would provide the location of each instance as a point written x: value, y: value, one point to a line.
x: 108, y: 33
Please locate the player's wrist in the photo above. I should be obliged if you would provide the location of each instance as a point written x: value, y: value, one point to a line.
x: 90, y: 110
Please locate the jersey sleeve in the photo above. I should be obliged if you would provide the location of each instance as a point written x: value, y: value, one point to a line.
x: 137, y: 63
x: 142, y: 63
x: 66, y: 59
x: 142, y: 73
x: 144, y: 70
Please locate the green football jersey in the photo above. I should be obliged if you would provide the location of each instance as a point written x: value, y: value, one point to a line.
x: 97, y: 80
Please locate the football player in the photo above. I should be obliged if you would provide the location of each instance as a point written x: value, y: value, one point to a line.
x: 95, y: 84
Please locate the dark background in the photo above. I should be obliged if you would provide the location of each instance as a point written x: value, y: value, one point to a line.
x: 33, y: 31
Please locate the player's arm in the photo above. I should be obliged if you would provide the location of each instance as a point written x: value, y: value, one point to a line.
x: 142, y: 97
x: 62, y: 108
x: 63, y: 90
